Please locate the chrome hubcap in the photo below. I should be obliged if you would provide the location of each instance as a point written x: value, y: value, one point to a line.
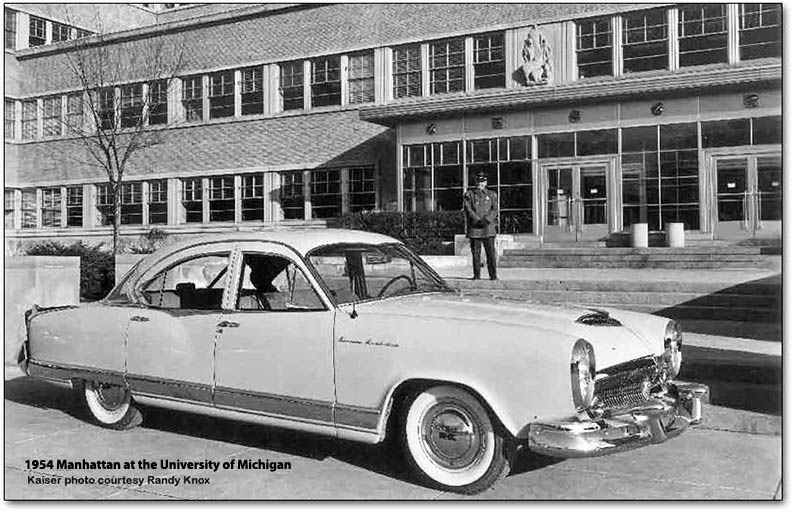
x: 451, y: 436
x: 112, y: 397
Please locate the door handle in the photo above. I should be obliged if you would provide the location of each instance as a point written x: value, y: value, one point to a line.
x: 227, y: 324
x: 141, y: 319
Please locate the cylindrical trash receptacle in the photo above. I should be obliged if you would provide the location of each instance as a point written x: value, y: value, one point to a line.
x: 639, y: 235
x: 675, y: 234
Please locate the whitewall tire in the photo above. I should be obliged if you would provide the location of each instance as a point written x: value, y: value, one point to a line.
x: 450, y: 441
x: 110, y: 405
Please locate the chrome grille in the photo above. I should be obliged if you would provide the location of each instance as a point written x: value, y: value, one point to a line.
x: 626, y: 384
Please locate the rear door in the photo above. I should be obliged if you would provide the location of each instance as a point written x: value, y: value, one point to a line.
x: 171, y: 339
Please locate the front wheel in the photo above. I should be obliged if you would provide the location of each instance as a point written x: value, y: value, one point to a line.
x: 450, y: 441
x: 110, y: 405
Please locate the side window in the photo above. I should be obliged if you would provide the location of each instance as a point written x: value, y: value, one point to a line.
x: 196, y: 283
x: 274, y: 283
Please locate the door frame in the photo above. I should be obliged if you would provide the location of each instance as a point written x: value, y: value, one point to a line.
x: 708, y: 182
x: 612, y: 188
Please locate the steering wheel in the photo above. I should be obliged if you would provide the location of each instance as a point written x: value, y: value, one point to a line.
x: 394, y: 280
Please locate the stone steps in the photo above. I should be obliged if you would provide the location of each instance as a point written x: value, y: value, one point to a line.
x: 699, y: 257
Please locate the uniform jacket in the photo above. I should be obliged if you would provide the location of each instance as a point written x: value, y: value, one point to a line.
x: 481, y: 211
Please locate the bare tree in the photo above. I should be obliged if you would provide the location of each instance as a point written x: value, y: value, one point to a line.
x: 123, y: 86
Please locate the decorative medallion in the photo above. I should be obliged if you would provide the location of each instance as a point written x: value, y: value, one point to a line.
x: 497, y: 123
x: 537, y: 67
x: 431, y: 128
x: 751, y: 100
x: 657, y: 108
x: 575, y: 115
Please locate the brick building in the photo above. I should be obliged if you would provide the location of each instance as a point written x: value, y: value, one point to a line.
x: 587, y: 117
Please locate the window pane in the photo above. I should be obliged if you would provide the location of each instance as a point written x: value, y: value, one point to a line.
x: 326, y: 81
x: 131, y: 105
x: 291, y: 85
x: 158, y: 102
x: 252, y: 91
x: 596, y: 142
x: 728, y: 133
x: 407, y: 71
x: 221, y: 94
x: 645, y: 40
x: 361, y: 78
x: 325, y: 193
x: 192, y: 195
x: 221, y: 199
x: 291, y: 195
x: 158, y: 202
x: 760, y: 31
x: 489, y: 65
x: 767, y: 130
x: 702, y: 34
x: 10, y: 28
x: 678, y: 136
x: 38, y: 35
x: 594, y: 48
x: 192, y: 98
x: 447, y: 66
x: 556, y: 145
x: 194, y: 284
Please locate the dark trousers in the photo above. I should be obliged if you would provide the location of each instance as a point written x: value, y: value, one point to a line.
x: 489, y: 248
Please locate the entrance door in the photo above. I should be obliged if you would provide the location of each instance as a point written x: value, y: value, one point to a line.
x: 577, y: 202
x: 747, y: 196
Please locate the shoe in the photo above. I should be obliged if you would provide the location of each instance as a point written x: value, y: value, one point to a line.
x: 475, y: 277
x: 494, y: 278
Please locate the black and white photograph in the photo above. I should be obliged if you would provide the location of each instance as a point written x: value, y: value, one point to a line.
x: 393, y: 251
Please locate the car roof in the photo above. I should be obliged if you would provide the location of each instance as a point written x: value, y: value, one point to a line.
x: 301, y: 240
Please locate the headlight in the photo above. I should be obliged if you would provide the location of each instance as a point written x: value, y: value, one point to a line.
x: 673, y: 348
x: 583, y: 369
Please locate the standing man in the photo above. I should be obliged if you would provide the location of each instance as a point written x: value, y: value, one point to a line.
x: 481, y: 211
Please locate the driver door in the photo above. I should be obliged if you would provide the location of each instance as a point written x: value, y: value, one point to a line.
x: 275, y: 347
x: 171, y: 337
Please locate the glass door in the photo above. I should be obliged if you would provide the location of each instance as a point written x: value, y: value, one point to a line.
x: 748, y: 196
x: 576, y: 202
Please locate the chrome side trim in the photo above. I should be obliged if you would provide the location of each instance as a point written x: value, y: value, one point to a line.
x: 352, y: 422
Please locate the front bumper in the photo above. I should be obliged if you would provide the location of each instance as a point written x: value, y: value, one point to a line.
x: 652, y: 421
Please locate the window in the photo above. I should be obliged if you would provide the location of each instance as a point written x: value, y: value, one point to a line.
x: 104, y: 204
x: 221, y: 199
x: 407, y: 71
x: 274, y: 283
x: 197, y: 283
x: 326, y: 81
x: 52, y: 116
x: 192, y: 98
x: 38, y: 32
x: 252, y: 91
x: 74, y: 206
x: 60, y: 32
x: 702, y: 34
x: 158, y: 202
x: 362, y: 195
x: 253, y: 197
x: 131, y: 105
x: 433, y: 177
x: 325, y: 193
x: 192, y: 200
x: 29, y: 209
x: 292, y: 198
x: 594, y: 48
x: 107, y: 108
x: 9, y: 208
x: 365, y: 272
x: 507, y: 162
x: 767, y: 130
x: 291, y: 85
x: 447, y: 66
x: 760, y: 31
x: 83, y: 33
x: 556, y: 145
x: 361, y: 78
x: 645, y: 44
x: 10, y: 29
x: 733, y: 132
x: 660, y: 186
x: 51, y: 207
x: 158, y: 102
x: 74, y: 112
x: 131, y: 203
x: 221, y: 94
x: 590, y: 143
x: 29, y: 120
x: 10, y: 118
x: 489, y: 66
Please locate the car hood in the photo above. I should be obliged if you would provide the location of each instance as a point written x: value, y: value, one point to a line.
x: 632, y: 335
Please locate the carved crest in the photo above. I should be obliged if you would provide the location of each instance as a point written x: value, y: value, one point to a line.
x: 537, y: 67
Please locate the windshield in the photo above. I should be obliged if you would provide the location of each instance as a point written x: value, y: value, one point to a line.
x: 354, y: 273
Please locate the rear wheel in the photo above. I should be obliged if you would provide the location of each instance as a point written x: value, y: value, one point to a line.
x: 450, y: 441
x: 110, y: 405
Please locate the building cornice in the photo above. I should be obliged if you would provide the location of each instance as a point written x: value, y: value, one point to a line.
x: 670, y: 84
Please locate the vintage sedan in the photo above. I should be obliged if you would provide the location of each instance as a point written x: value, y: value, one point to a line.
x: 351, y: 335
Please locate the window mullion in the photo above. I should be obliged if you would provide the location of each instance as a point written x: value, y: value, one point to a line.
x: 672, y: 17
x: 618, y: 40
x: 469, y: 73
x: 733, y: 30
x: 425, y: 82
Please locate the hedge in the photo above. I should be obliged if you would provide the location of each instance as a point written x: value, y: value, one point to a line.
x: 426, y: 232
x: 97, y: 265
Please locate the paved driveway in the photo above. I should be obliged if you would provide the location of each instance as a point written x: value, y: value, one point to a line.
x: 41, y: 422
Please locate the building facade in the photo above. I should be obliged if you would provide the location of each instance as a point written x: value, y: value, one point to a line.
x: 588, y: 118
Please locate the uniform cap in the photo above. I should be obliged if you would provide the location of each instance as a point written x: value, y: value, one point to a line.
x: 481, y: 176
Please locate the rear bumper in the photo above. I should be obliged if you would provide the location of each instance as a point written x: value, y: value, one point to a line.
x: 653, y: 421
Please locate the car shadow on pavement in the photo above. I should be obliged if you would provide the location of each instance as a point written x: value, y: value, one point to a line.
x: 385, y: 458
